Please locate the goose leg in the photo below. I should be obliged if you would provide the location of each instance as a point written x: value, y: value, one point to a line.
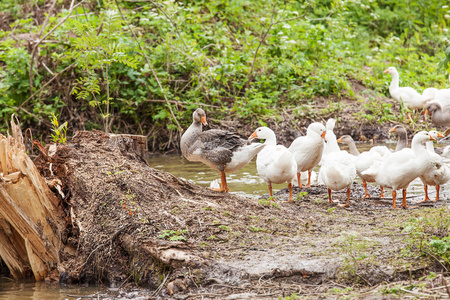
x: 309, y: 179
x: 290, y: 191
x: 365, y: 188
x: 299, y: 181
x: 270, y: 190
x: 394, y: 195
x: 223, y: 183
x: 348, y: 199
x: 425, y: 188
x: 404, y: 205
x: 329, y: 196
x: 381, y: 195
x: 437, y: 193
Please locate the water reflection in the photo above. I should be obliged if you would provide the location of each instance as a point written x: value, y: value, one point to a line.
x: 245, y: 182
x: 21, y: 290
x: 30, y: 290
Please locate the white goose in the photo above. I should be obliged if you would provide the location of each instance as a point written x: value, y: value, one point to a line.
x: 401, y: 167
x: 441, y: 96
x: 437, y: 172
x: 275, y: 163
x: 409, y: 96
x: 329, y: 126
x: 338, y: 169
x: 308, y: 149
x: 221, y: 150
x: 364, y: 160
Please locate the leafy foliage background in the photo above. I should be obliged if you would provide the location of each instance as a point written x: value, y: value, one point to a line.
x: 143, y: 66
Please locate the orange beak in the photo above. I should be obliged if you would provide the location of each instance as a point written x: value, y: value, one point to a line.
x: 432, y: 138
x: 426, y: 112
x: 386, y: 71
x: 440, y: 134
x: 339, y: 140
x: 323, y: 135
x: 392, y: 129
x: 203, y: 119
x: 253, y: 136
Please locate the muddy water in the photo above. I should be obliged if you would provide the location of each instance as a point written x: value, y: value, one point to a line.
x: 246, y: 181
x: 13, y: 290
x: 30, y: 290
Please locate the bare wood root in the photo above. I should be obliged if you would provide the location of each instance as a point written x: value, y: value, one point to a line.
x: 171, y: 254
x: 29, y: 213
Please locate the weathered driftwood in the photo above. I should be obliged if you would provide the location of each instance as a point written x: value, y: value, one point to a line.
x: 30, y: 218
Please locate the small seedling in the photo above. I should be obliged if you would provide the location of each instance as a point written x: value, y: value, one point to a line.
x: 224, y: 227
x: 268, y: 202
x: 173, y: 235
x: 59, y: 135
x: 301, y: 195
x: 256, y: 228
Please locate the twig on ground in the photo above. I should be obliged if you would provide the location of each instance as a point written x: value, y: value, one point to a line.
x: 160, y: 287
x: 444, y: 283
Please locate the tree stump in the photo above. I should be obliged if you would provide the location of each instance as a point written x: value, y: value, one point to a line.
x: 30, y: 219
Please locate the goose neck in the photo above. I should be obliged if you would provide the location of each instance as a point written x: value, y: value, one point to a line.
x: 418, y: 147
x: 271, y: 141
x: 395, y: 82
x: 430, y: 146
x: 352, y: 149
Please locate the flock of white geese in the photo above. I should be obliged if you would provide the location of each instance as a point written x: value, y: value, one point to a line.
x: 227, y: 152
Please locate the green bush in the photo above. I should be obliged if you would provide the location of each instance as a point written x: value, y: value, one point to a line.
x: 146, y: 66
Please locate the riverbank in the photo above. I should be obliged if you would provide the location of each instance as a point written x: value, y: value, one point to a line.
x: 198, y: 243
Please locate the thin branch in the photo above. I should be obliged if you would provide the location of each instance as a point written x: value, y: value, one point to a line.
x: 174, y: 25
x: 288, y: 20
x: 181, y: 103
x: 263, y: 37
x: 151, y: 68
x: 48, y: 70
x: 39, y: 37
x: 250, y: 75
x: 72, y: 8
x: 47, y: 18
x: 48, y: 82
x: 436, y: 259
x: 31, y: 114
x: 171, y: 22
x: 160, y: 287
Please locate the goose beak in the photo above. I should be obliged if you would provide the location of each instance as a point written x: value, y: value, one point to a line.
x: 203, y: 119
x: 386, y: 71
x: 440, y: 135
x: 392, y: 129
x: 253, y: 136
x: 323, y: 135
x: 432, y: 138
x: 339, y: 140
x: 426, y: 112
